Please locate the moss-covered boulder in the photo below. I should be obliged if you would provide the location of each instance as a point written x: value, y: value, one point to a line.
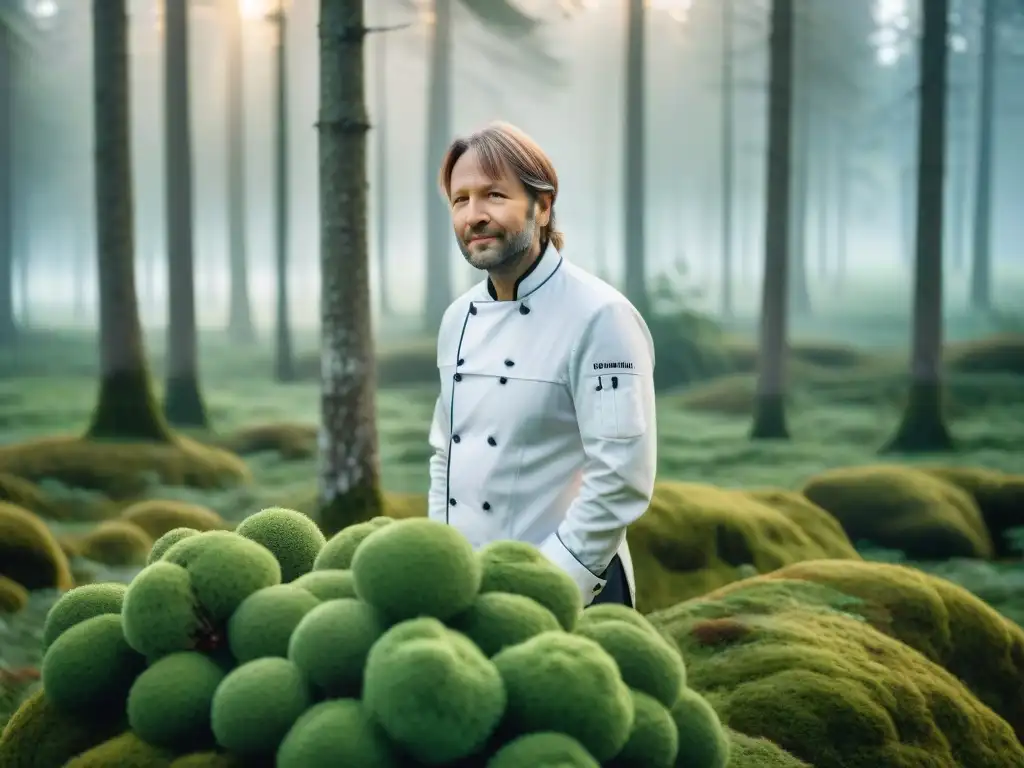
x: 999, y: 353
x: 29, y: 553
x: 40, y: 735
x: 695, y: 538
x: 263, y: 623
x: 292, y: 537
x: 123, y: 470
x: 13, y: 596
x: 790, y: 661
x: 158, y: 516
x: 903, y: 508
x: 290, y: 440
x: 116, y: 542
x: 999, y: 496
x: 753, y: 752
x: 337, y: 733
x: 79, y: 604
x: 127, y: 750
x: 21, y: 493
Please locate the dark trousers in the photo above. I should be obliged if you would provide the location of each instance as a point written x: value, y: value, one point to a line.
x: 617, y: 588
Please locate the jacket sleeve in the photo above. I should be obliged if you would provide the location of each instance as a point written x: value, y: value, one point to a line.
x: 437, y: 496
x: 612, y: 382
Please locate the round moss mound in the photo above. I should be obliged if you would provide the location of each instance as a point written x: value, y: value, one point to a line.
x: 333, y: 734
x: 703, y: 743
x: 169, y: 703
x: 160, y: 613
x: 91, y: 667
x: 168, y: 540
x: 332, y: 642
x: 520, y: 569
x: 338, y: 552
x: 653, y: 739
x: 79, y: 604
x: 328, y: 584
x: 390, y: 564
x: 158, y: 516
x: 293, y: 538
x: 543, y: 750
x: 256, y: 705
x: 127, y: 749
x: 116, y: 542
x: 421, y: 678
x: 292, y: 441
x: 497, y: 620
x: 263, y: 624
x: 13, y: 596
x: 567, y: 683
x: 29, y: 553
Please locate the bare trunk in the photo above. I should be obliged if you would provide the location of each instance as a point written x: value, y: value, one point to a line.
x: 240, y: 326
x: 922, y: 427
x: 183, y: 404
x: 824, y: 196
x: 728, y: 152
x: 438, y: 280
x: 126, y: 407
x: 635, y: 282
x: 799, y: 296
x: 284, y: 359
x: 349, y: 455
x: 844, y: 168
x: 8, y: 329
x: 981, y: 256
x: 381, y: 86
x: 769, y: 402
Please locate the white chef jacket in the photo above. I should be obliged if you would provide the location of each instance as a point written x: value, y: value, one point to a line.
x: 544, y: 430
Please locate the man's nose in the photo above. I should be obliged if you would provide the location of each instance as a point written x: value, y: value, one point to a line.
x: 477, y: 213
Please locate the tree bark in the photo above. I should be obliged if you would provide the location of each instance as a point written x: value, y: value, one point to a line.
x: 438, y: 280
x: 635, y: 281
x: 126, y: 407
x: 284, y: 359
x: 981, y: 255
x: 183, y: 403
x: 8, y: 328
x: 728, y: 153
x: 381, y: 87
x: 769, y: 401
x: 799, y: 298
x: 349, y: 455
x: 240, y: 325
x: 922, y: 427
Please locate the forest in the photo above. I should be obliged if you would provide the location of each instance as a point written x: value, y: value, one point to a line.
x: 224, y: 259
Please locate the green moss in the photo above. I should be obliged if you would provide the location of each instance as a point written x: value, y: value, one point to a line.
x: 158, y: 516
x: 168, y: 540
x: 160, y: 613
x: 169, y: 703
x: 363, y: 502
x: 543, y: 750
x: 338, y: 552
x: 390, y: 565
x: 294, y: 539
x: 126, y: 409
x: 328, y: 584
x: 519, y: 568
x: 497, y: 620
x: 29, y: 554
x: 703, y: 742
x: 332, y: 642
x: 548, y: 675
x: 653, y: 739
x: 750, y: 752
x: 79, y: 604
x: 263, y: 624
x: 333, y: 734
x: 13, y: 596
x: 124, y: 751
x: 422, y: 677
x: 118, y: 543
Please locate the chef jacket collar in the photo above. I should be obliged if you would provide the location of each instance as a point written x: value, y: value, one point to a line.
x: 534, y: 277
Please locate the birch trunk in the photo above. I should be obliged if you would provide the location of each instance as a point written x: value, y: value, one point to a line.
x: 922, y: 427
x: 126, y: 407
x: 183, y: 404
x: 349, y: 456
x: 769, y: 401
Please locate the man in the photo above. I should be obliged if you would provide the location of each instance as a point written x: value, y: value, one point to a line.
x: 544, y: 430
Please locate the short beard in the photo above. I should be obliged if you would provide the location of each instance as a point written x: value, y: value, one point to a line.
x: 507, y: 252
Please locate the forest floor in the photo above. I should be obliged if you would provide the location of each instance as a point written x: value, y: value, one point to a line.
x: 837, y: 418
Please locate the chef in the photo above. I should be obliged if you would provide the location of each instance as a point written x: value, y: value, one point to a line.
x: 544, y: 430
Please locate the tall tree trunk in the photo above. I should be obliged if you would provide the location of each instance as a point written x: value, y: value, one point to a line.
x: 824, y: 196
x: 284, y: 358
x: 799, y: 295
x: 635, y: 282
x: 126, y: 407
x: 240, y: 326
x: 8, y: 329
x: 183, y: 403
x: 728, y: 153
x: 349, y: 455
x: 981, y: 256
x: 769, y: 401
x: 438, y: 280
x: 922, y: 427
x: 844, y: 165
x: 381, y: 88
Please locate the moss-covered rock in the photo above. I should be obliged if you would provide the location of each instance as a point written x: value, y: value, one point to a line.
x: 422, y: 677
x: 703, y: 742
x: 752, y: 752
x: 518, y: 568
x: 999, y: 496
x: 292, y: 441
x: 1000, y: 353
x: 21, y: 493
x: 331, y: 584
x: 161, y: 615
x: 39, y: 735
x: 79, y: 604
x: 29, y: 553
x: 263, y: 623
x: 158, y: 516
x: 543, y: 750
x: 124, y: 751
x: 903, y: 508
x: 695, y: 538
x: 123, y: 470
x: 497, y: 620
x: 13, y: 596
x: 333, y: 734
x: 116, y: 542
x: 294, y: 539
x: 338, y: 552
x: 653, y: 738
x: 168, y: 540
x: 790, y: 661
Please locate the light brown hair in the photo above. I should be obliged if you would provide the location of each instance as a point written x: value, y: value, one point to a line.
x: 501, y: 144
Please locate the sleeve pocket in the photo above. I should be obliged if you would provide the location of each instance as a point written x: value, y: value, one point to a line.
x: 619, y: 406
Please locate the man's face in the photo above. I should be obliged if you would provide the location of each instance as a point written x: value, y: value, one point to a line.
x: 495, y: 220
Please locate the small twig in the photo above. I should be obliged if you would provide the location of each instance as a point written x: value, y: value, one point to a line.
x: 390, y: 28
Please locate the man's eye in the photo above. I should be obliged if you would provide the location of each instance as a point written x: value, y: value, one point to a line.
x: 458, y: 200
x: 496, y: 194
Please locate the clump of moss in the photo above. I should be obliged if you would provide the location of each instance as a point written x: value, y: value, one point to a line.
x: 166, y: 541
x: 158, y: 516
x: 519, y: 568
x: 329, y: 584
x: 13, y: 596
x: 336, y: 733
x: 653, y: 738
x: 79, y: 604
x: 116, y: 542
x: 292, y: 441
x: 497, y: 620
x: 29, y: 554
x: 331, y: 643
x: 543, y: 750
x: 263, y: 623
x: 338, y: 552
x: 292, y: 537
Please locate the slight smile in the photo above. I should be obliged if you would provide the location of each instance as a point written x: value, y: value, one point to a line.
x: 481, y: 239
